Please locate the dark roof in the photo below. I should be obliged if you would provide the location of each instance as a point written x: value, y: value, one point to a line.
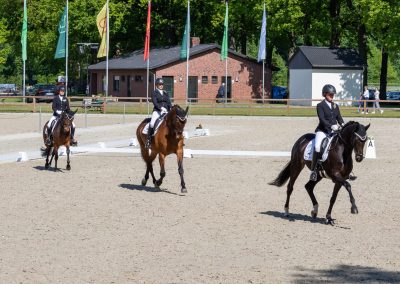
x: 325, y: 57
x: 158, y: 57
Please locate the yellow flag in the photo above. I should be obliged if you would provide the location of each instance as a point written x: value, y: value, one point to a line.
x: 102, y: 26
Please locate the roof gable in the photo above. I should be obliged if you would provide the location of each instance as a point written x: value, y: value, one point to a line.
x: 325, y: 57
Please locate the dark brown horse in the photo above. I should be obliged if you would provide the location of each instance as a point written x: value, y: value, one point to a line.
x: 61, y: 137
x: 337, y: 167
x: 167, y: 140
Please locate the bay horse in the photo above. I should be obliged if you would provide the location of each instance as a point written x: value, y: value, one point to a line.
x: 168, y: 140
x: 61, y: 137
x: 338, y: 166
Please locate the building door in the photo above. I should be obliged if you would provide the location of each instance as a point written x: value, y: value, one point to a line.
x: 169, y: 85
x: 93, y: 84
x: 193, y: 89
x: 128, y: 85
x: 228, y: 86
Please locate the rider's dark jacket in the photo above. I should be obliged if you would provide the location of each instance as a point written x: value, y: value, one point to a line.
x: 328, y: 116
x: 160, y: 99
x: 60, y: 104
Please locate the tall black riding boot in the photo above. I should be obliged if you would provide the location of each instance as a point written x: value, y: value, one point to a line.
x: 149, y: 136
x: 315, y: 157
x: 73, y: 141
x: 49, y: 141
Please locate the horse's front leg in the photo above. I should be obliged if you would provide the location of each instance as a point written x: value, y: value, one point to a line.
x: 336, y: 188
x: 47, y: 165
x: 179, y: 155
x: 55, y: 154
x: 346, y: 184
x: 52, y: 156
x: 68, y: 162
x: 161, y: 158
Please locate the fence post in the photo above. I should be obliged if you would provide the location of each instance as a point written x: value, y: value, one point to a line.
x: 40, y: 118
x: 34, y: 104
x: 123, y: 118
x: 85, y: 116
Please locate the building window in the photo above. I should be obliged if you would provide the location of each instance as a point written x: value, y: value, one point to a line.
x: 138, y: 78
x: 204, y: 79
x: 116, y: 83
x: 214, y: 79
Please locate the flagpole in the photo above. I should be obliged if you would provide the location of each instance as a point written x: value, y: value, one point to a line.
x: 147, y: 87
x: 263, y: 75
x: 66, y: 55
x: 147, y: 54
x: 187, y: 53
x: 107, y: 48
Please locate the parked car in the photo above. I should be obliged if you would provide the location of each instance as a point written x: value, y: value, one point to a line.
x: 46, y: 92
x: 393, y: 95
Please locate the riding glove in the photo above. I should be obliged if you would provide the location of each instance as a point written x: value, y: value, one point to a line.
x: 335, y: 127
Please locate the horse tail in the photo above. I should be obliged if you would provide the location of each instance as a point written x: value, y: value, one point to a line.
x: 282, y: 177
x: 45, y: 151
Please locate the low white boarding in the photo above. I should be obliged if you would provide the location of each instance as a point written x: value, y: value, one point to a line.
x: 370, y: 153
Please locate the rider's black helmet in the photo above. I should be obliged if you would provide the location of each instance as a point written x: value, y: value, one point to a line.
x: 159, y: 81
x: 328, y: 89
x: 60, y: 89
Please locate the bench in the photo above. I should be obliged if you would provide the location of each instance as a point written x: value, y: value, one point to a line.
x: 93, y: 104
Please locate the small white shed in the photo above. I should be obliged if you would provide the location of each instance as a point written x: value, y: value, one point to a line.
x: 311, y: 67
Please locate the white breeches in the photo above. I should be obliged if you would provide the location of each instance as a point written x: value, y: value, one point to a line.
x: 154, y: 117
x: 319, y: 136
x: 55, y: 117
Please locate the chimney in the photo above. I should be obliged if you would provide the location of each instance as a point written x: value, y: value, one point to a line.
x: 194, y: 41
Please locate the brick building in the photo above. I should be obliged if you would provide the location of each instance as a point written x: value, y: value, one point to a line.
x: 127, y: 74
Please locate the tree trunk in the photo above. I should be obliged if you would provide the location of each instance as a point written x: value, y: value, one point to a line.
x: 243, y: 36
x: 362, y: 51
x: 334, y: 11
x: 383, y: 81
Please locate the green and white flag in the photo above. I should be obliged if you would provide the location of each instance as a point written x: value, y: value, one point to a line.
x: 224, y: 48
x: 24, y: 33
x: 184, y: 46
x: 62, y: 27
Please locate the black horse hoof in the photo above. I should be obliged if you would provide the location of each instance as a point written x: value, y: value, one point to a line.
x: 330, y: 221
x: 68, y: 168
x: 144, y: 181
x: 314, y: 214
x: 354, y: 210
x: 183, y: 190
x: 47, y: 166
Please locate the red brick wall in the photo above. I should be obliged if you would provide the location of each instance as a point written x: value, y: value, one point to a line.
x: 246, y: 77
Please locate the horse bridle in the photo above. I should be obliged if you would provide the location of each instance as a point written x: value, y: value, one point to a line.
x: 358, y: 136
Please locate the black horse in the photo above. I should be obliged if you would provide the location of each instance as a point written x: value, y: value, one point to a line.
x: 337, y: 166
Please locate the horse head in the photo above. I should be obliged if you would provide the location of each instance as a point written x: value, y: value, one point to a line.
x: 355, y: 135
x: 177, y: 120
x: 66, y: 120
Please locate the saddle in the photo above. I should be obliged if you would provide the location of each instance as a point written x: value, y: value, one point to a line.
x: 325, y: 147
x: 157, y: 125
x: 53, y: 125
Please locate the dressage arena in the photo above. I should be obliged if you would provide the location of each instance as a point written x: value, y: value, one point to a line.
x: 97, y: 224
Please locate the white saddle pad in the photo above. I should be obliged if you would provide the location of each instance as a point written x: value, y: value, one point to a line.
x: 147, y: 126
x: 308, y: 153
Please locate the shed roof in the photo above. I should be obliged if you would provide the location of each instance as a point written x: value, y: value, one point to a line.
x: 158, y: 57
x: 326, y: 58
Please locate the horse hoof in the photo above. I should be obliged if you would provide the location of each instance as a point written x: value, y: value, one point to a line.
x: 46, y: 166
x: 183, y: 190
x: 330, y: 221
x: 156, y: 186
x: 286, y: 214
x: 354, y: 210
x: 68, y: 167
x: 144, y: 181
x: 314, y: 214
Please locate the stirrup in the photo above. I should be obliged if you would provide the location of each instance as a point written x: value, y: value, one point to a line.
x: 74, y: 142
x: 313, y: 176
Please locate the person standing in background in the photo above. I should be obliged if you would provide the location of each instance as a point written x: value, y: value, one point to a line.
x: 376, y: 102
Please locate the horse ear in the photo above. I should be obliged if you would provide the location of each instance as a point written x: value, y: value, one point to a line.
x: 366, y: 127
x: 186, y: 110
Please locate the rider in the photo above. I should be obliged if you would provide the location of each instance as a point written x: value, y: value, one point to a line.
x: 162, y: 104
x: 60, y: 104
x: 328, y: 115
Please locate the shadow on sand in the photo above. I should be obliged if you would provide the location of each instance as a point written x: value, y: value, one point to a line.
x: 346, y: 274
x: 299, y: 217
x: 51, y: 169
x: 146, y: 188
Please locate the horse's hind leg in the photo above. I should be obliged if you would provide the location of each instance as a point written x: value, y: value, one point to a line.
x: 329, y: 219
x: 47, y: 165
x: 55, y: 153
x: 161, y: 159
x: 68, y: 162
x: 295, y: 169
x: 310, y: 190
